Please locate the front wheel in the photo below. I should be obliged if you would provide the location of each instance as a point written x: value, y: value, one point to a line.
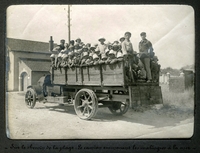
x: 86, y: 104
x: 30, y: 98
x: 119, y: 108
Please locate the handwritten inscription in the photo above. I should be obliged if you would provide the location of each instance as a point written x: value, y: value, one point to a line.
x: 64, y: 148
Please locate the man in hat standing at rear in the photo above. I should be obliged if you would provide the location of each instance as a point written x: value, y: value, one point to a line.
x: 102, y: 46
x: 146, y: 50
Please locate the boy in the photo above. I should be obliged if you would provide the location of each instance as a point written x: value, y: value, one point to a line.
x: 84, y: 55
x: 52, y: 61
x: 112, y: 57
x: 70, y: 62
x: 96, y: 59
x: 90, y: 61
x: 64, y: 62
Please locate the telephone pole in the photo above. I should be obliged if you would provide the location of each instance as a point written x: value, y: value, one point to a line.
x: 69, y: 24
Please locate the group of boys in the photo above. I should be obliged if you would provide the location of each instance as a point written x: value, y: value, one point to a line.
x: 139, y: 66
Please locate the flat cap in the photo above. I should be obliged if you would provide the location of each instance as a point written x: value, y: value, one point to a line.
x: 127, y: 33
x: 143, y: 33
x: 78, y: 39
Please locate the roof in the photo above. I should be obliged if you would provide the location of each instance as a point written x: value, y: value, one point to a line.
x: 27, y: 45
x: 36, y: 65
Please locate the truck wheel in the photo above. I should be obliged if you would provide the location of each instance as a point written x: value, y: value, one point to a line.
x: 119, y: 108
x: 86, y: 104
x: 30, y: 98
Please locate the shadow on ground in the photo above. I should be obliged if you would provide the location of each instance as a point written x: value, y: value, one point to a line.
x: 149, y: 116
x: 165, y: 116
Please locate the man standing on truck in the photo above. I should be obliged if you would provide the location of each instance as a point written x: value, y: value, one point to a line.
x: 146, y: 51
x: 102, y: 46
x: 127, y: 50
x: 127, y: 47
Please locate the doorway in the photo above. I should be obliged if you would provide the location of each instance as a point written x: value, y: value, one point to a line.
x: 24, y: 81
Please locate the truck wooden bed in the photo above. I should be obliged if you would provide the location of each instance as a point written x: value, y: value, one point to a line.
x: 91, y: 87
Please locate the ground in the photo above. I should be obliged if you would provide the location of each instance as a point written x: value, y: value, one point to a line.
x: 51, y: 121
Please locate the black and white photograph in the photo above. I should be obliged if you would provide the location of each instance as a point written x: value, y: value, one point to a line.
x: 100, y: 71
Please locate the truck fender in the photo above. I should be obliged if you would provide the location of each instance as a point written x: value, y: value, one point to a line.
x: 38, y: 90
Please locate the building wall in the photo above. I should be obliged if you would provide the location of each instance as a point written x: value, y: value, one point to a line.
x: 10, y: 83
x: 24, y: 68
x: 15, y: 63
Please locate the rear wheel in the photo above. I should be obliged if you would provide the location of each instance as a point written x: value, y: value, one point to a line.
x: 119, y: 108
x: 86, y: 104
x: 30, y: 98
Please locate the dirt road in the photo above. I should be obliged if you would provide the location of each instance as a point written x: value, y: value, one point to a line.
x: 51, y: 121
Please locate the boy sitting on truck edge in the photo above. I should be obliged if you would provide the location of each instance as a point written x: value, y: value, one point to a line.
x: 84, y: 56
x: 58, y: 49
x: 103, y: 59
x: 76, y: 58
x: 112, y: 57
x: 76, y: 47
x: 52, y: 61
x: 59, y: 60
x: 89, y: 60
x: 134, y: 65
x: 71, y: 49
x: 64, y: 60
x: 70, y: 62
x: 96, y: 59
x: 120, y: 56
x: 92, y: 48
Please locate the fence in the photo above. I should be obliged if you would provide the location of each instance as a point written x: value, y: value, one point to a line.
x: 178, y: 83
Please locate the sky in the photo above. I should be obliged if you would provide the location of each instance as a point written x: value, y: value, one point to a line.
x: 170, y: 28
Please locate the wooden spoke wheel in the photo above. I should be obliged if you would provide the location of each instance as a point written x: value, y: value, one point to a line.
x: 30, y: 98
x: 119, y: 108
x: 86, y: 104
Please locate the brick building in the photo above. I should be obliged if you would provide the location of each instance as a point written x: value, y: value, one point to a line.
x: 26, y: 62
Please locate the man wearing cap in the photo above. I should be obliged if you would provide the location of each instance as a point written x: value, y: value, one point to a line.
x: 102, y: 46
x: 62, y: 44
x: 127, y: 47
x: 71, y: 42
x: 145, y: 49
x: 78, y: 41
x: 58, y: 49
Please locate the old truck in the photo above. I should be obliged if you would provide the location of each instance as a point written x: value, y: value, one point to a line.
x: 91, y: 87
